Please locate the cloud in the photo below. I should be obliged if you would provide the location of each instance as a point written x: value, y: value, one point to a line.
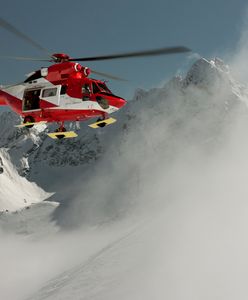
x: 177, y: 184
x: 181, y: 170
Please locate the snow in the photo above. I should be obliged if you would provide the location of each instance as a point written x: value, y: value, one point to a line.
x: 16, y: 192
x: 154, y: 206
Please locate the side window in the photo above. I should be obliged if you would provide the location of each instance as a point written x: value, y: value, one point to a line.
x: 49, y: 92
x: 63, y: 90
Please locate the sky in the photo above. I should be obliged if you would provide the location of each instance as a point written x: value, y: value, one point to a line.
x: 86, y: 28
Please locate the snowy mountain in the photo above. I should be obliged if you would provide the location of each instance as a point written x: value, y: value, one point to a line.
x: 16, y: 191
x: 35, y: 155
x: 153, y: 206
x: 190, y: 111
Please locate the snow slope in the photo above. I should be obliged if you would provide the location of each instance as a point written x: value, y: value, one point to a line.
x: 16, y: 192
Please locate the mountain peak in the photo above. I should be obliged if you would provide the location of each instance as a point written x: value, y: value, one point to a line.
x: 206, y: 72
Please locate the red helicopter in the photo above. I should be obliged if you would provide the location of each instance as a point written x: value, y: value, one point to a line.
x: 64, y: 91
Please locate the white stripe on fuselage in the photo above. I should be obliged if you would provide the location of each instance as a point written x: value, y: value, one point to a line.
x: 63, y: 101
x: 85, y: 105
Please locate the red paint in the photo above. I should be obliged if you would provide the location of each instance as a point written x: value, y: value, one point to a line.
x: 50, y: 114
x: 45, y: 104
x: 61, y: 72
x: 2, y: 101
x: 60, y: 115
x: 13, y: 102
x: 74, y: 77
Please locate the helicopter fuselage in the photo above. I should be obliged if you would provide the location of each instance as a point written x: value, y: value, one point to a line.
x: 61, y: 92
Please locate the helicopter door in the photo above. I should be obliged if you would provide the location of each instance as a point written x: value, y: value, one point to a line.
x: 31, y: 100
x: 63, y: 97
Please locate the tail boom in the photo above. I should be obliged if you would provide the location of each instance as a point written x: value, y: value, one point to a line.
x: 2, y: 101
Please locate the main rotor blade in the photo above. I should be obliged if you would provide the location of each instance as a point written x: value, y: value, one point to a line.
x: 161, y: 51
x: 21, y: 35
x: 24, y: 58
x: 107, y: 75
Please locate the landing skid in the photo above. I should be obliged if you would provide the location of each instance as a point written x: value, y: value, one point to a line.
x: 30, y: 124
x: 102, y: 123
x: 61, y: 132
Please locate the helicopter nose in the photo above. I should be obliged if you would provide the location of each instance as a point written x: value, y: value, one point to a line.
x: 121, y: 102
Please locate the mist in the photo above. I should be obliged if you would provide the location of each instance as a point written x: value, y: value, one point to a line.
x: 163, y: 214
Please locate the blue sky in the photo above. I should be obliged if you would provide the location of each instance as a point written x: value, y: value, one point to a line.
x: 85, y: 28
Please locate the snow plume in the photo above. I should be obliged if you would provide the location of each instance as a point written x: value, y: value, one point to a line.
x: 176, y: 178
x: 162, y: 130
x: 29, y: 259
x: 162, y: 214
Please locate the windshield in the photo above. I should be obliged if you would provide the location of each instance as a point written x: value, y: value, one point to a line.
x: 103, y: 88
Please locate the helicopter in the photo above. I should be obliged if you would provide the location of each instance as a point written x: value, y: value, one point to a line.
x: 64, y: 91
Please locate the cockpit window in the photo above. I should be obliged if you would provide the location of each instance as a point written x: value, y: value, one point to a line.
x: 95, y: 88
x: 104, y: 88
x: 86, y: 89
x: 100, y: 87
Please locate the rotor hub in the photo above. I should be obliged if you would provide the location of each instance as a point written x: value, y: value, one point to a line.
x: 60, y: 57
